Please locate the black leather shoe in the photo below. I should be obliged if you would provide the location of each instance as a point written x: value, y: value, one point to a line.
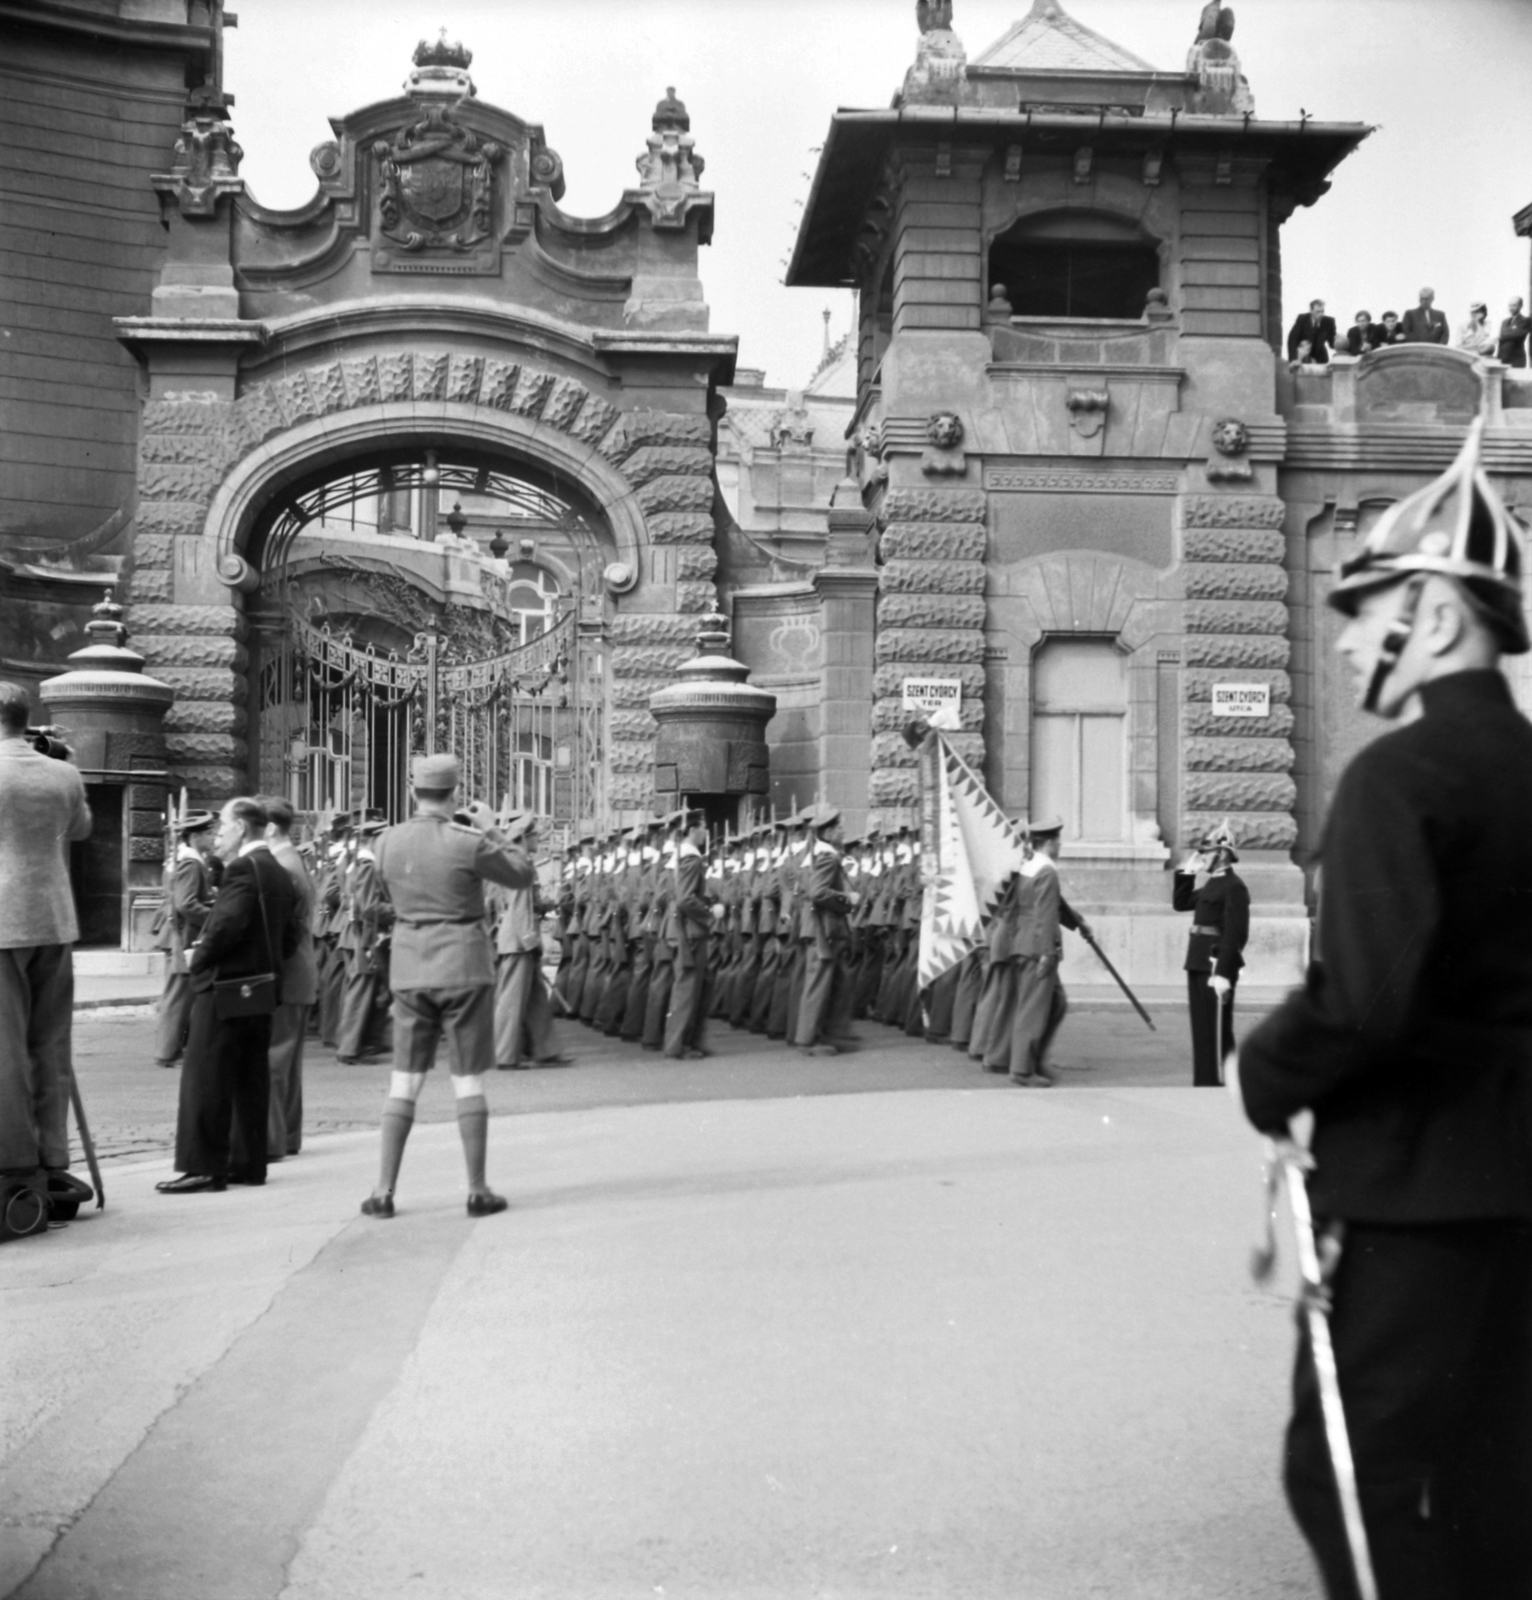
x: 378, y: 1205
x: 554, y: 1061
x: 486, y: 1205
x: 193, y: 1183
x: 249, y: 1178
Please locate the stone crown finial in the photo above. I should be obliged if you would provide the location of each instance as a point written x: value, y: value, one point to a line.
x: 671, y: 113
x: 442, y: 53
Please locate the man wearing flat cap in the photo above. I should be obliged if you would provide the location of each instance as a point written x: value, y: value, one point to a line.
x: 442, y: 969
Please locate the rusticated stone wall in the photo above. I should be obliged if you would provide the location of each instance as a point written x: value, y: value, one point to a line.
x: 930, y: 625
x: 189, y: 446
x: 1236, y: 624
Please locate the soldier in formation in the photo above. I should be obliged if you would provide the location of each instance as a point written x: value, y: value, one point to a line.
x: 366, y: 920
x: 184, y: 908
x: 523, y: 1006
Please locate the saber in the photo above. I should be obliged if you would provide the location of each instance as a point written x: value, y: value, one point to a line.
x: 1132, y: 998
x: 1218, y: 1035
x: 85, y: 1139
x: 1314, y: 1296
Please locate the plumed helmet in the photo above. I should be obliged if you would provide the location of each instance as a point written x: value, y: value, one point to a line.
x: 1221, y: 837
x: 1456, y: 527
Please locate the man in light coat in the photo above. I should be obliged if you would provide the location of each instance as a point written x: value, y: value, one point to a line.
x: 42, y: 812
x: 442, y: 967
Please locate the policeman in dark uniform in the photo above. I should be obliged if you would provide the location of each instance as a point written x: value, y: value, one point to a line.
x: 1215, y: 953
x: 1411, y: 1043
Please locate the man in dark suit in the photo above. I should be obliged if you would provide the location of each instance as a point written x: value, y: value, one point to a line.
x: 251, y: 930
x: 300, y: 989
x: 1423, y: 324
x: 1313, y: 336
x: 1511, y: 347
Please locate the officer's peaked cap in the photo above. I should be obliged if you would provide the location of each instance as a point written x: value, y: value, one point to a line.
x: 434, y: 772
x: 1457, y: 527
x: 194, y: 822
x: 823, y: 815
x: 1045, y: 827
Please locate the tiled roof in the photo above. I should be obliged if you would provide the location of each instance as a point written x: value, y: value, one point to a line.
x: 1047, y: 40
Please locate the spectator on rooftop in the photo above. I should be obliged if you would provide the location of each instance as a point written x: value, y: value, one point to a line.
x: 1511, y: 347
x: 1424, y: 324
x: 1392, y: 332
x: 1312, y: 337
x: 1476, y: 336
x: 1363, y: 335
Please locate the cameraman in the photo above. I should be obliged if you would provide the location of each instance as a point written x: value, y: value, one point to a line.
x: 42, y: 811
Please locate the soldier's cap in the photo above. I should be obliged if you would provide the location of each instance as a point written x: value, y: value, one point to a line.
x: 638, y: 832
x: 339, y: 827
x: 1045, y: 827
x: 373, y: 825
x: 365, y: 814
x: 193, y: 822
x: 652, y: 824
x: 824, y: 815
x: 517, y: 823
x: 434, y: 772
x: 1457, y: 527
x: 587, y: 838
x: 684, y: 817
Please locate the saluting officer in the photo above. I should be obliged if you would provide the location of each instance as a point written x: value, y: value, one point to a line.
x: 1215, y: 953
x: 187, y: 906
x: 442, y: 968
x: 1411, y: 1043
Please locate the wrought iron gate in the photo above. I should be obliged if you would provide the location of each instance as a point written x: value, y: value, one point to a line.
x: 338, y: 722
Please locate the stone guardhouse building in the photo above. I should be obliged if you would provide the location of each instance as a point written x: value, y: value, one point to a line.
x: 1096, y: 497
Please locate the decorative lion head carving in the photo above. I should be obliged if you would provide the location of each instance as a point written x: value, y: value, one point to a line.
x: 1231, y: 438
x: 945, y: 430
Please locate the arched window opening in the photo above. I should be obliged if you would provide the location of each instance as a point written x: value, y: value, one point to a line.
x: 1079, y: 738
x: 1075, y: 265
x: 534, y: 600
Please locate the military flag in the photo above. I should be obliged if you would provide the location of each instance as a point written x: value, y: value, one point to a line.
x: 969, y: 851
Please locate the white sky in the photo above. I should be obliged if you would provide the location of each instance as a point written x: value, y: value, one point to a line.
x: 1428, y: 199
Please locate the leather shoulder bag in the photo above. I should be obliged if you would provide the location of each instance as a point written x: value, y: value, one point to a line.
x: 256, y: 994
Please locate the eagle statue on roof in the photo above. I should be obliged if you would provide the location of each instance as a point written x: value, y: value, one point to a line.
x: 932, y: 15
x: 1217, y: 22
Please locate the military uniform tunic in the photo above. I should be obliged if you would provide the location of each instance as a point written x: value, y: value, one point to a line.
x: 1411, y: 1042
x: 442, y: 969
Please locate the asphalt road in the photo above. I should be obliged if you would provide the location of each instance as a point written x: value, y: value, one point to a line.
x: 131, y: 1103
x: 754, y: 1327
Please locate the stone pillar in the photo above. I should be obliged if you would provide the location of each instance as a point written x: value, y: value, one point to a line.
x: 1236, y: 630
x: 847, y: 598
x: 930, y: 621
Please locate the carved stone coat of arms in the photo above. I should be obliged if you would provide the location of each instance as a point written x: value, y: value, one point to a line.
x: 436, y: 194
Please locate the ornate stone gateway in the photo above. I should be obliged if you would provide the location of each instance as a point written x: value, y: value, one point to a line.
x: 430, y: 331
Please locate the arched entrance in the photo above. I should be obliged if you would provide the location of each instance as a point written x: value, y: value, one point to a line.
x: 386, y: 623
